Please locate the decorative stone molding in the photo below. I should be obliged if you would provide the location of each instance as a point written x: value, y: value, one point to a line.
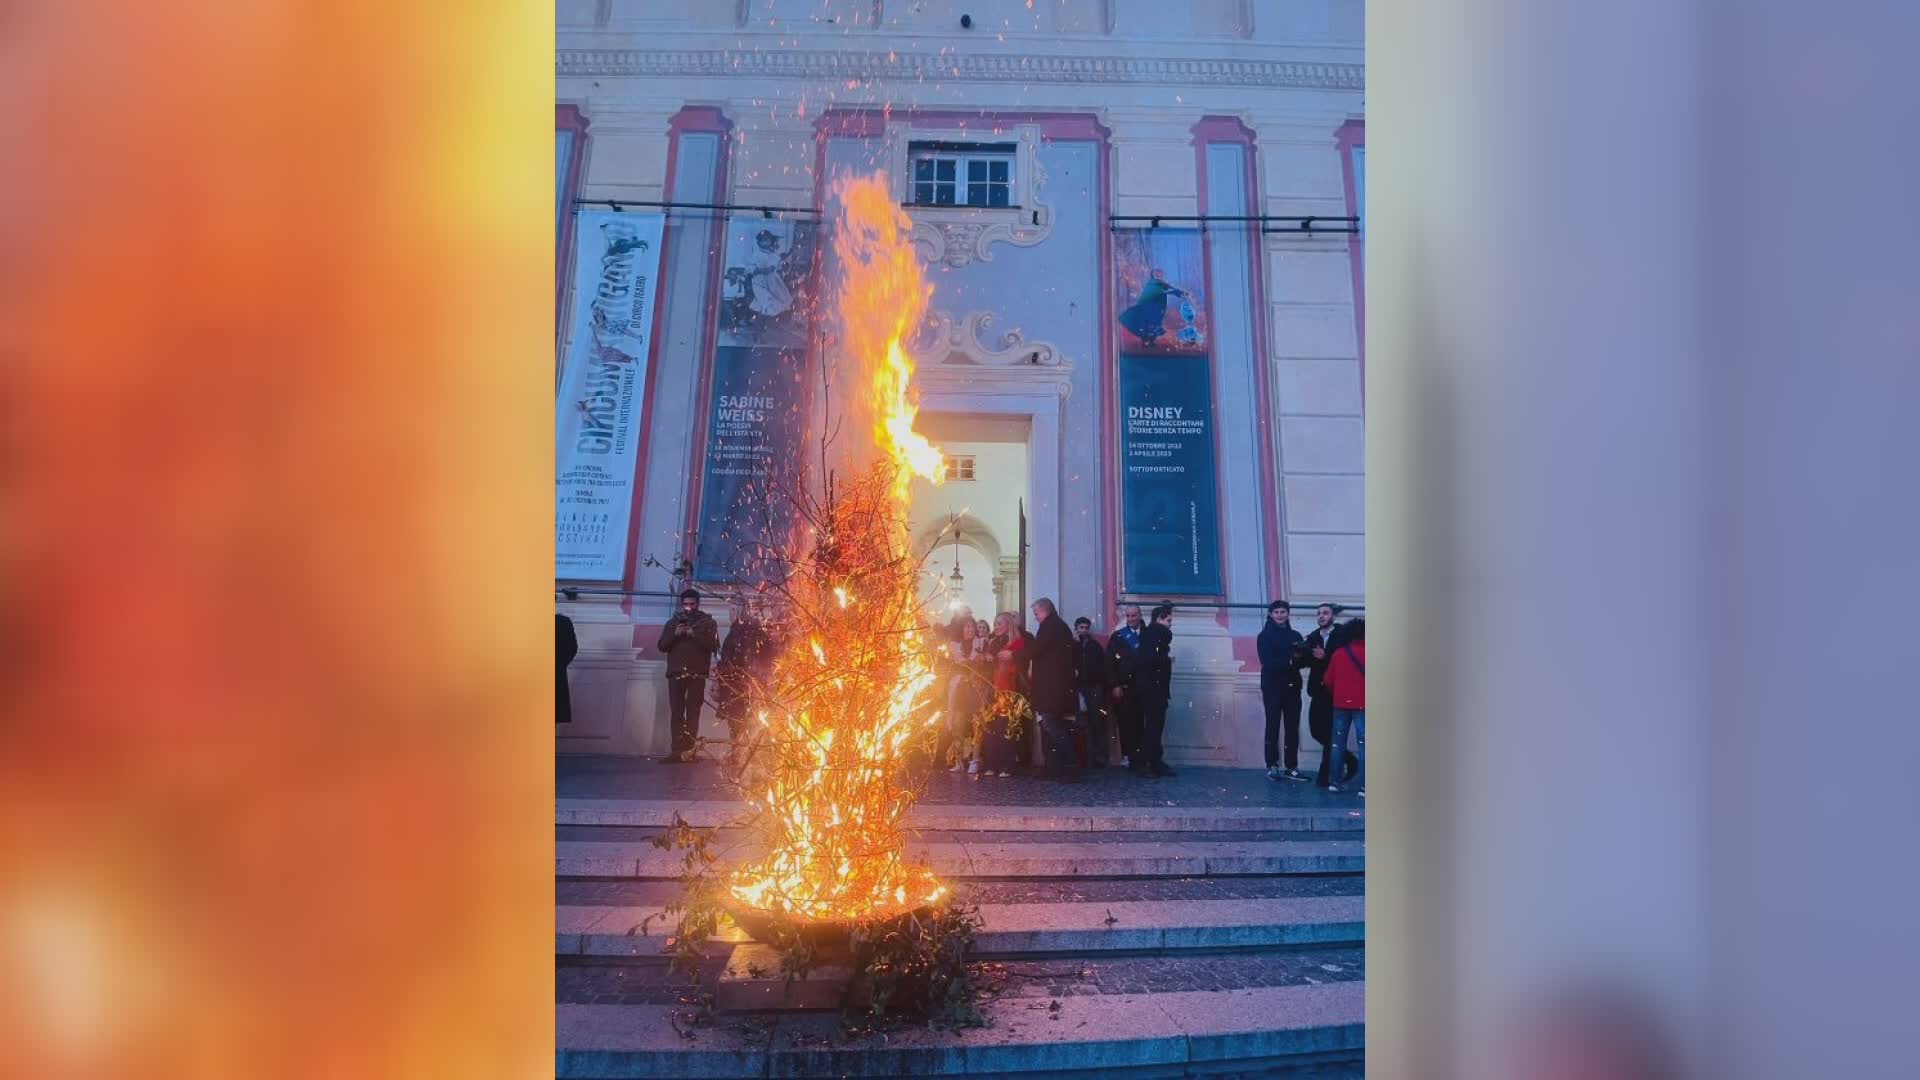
x: 1017, y: 380
x: 959, y: 235
x: 610, y: 116
x: 969, y: 340
x: 841, y: 66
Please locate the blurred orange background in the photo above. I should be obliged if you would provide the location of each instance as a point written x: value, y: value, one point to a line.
x: 276, y: 311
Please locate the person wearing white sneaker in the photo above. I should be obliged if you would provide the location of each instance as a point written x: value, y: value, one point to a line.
x: 1280, y: 689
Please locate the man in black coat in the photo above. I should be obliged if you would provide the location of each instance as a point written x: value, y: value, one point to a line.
x: 566, y: 647
x: 1050, y: 685
x: 739, y: 673
x: 1313, y: 655
x: 1090, y: 689
x: 1123, y: 669
x: 689, y: 641
x: 1155, y: 680
x: 1279, y: 644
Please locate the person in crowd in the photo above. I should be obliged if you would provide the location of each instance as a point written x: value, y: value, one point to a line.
x: 1313, y: 658
x: 1278, y: 645
x: 689, y: 640
x: 1025, y: 746
x: 997, y: 752
x: 566, y: 647
x: 1123, y: 671
x: 1051, y: 686
x: 982, y: 663
x: 964, y: 691
x: 1155, y: 679
x: 1346, y: 683
x: 738, y: 677
x: 1090, y: 690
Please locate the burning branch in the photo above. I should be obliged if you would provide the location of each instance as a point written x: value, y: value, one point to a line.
x: 849, y: 695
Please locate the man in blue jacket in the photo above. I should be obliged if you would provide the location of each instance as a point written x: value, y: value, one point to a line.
x: 1280, y: 689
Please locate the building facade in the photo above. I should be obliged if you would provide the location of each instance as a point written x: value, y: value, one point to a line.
x: 1157, y: 407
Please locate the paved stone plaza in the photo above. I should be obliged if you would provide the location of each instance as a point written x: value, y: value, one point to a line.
x: 1209, y: 924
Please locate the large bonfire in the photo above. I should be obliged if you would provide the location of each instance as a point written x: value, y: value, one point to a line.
x: 850, y: 693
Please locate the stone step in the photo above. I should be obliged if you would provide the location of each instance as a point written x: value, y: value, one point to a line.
x: 1010, y: 930
x: 1317, y: 1028
x: 639, y: 859
x: 982, y: 818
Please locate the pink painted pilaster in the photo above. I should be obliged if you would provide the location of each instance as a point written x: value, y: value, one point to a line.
x: 688, y: 119
x: 1230, y: 129
x: 566, y: 118
x: 1351, y: 134
x: 700, y: 118
x: 1203, y: 133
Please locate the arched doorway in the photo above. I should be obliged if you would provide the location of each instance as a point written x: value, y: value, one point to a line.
x: 988, y: 470
x: 969, y: 544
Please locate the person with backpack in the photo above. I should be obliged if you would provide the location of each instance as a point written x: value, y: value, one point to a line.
x: 1346, y: 683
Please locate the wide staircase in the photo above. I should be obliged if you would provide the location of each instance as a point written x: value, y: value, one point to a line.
x: 1208, y: 925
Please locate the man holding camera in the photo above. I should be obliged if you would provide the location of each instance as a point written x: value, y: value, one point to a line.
x: 689, y: 641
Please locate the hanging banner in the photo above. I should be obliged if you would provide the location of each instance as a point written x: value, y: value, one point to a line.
x: 1170, y: 520
x: 757, y: 416
x: 597, y: 411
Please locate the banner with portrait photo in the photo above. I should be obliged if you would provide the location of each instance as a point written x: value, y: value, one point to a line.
x: 1170, y: 524
x: 757, y: 417
x: 1159, y: 278
x: 604, y: 377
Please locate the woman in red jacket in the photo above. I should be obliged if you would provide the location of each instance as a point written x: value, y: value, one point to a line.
x: 1346, y: 680
x: 997, y: 751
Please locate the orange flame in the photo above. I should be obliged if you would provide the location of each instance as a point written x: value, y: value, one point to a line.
x: 883, y: 297
x: 845, y: 708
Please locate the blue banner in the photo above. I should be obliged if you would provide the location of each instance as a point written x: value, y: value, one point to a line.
x: 757, y: 418
x: 1170, y: 512
x: 1170, y: 521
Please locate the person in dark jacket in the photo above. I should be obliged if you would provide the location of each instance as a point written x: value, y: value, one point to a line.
x: 1123, y: 669
x: 1050, y: 682
x: 738, y: 677
x: 1090, y: 690
x: 689, y: 641
x: 1155, y: 680
x: 1278, y: 644
x: 1313, y: 659
x: 567, y: 646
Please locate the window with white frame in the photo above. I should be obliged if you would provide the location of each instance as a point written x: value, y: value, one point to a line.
x: 959, y: 468
x: 962, y: 174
